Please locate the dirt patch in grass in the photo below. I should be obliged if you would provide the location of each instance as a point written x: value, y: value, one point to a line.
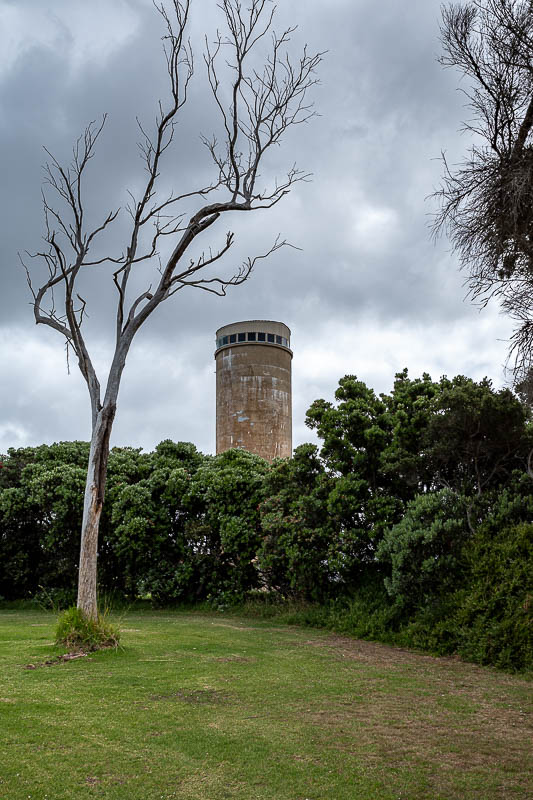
x: 462, y: 718
x: 342, y: 647
x: 233, y: 627
x: 235, y: 659
x: 404, y: 736
x: 194, y: 696
x: 470, y: 690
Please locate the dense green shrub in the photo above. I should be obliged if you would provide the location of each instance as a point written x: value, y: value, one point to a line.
x: 297, y: 531
x: 189, y: 531
x: 424, y: 549
x: 476, y: 436
x: 495, y: 615
x: 41, y: 502
x: 55, y: 599
x: 148, y: 543
x: 223, y: 503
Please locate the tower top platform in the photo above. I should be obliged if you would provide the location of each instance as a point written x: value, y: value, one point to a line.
x: 254, y: 332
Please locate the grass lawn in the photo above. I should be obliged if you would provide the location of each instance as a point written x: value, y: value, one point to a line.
x: 208, y: 706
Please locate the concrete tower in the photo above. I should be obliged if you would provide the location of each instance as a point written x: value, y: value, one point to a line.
x: 254, y: 400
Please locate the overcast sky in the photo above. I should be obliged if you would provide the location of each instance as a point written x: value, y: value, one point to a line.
x: 369, y: 293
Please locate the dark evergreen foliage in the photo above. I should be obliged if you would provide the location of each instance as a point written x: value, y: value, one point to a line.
x: 411, y: 523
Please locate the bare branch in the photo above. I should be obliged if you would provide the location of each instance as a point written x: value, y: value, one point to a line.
x: 241, y: 275
x: 263, y: 104
x: 486, y: 202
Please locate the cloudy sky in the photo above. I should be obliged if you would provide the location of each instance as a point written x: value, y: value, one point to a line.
x: 368, y: 293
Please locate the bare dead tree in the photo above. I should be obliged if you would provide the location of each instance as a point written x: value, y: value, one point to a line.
x: 262, y: 105
x: 486, y: 202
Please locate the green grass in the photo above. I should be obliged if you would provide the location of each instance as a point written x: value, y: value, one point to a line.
x: 201, y: 706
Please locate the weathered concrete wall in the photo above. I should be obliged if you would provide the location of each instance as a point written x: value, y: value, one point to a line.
x: 254, y: 401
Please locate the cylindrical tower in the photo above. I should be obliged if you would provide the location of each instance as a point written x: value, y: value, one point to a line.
x: 254, y: 400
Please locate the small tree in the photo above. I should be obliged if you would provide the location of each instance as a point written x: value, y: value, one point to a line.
x: 256, y: 109
x: 487, y: 200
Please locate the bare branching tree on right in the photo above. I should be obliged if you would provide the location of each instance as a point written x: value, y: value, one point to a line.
x: 486, y: 202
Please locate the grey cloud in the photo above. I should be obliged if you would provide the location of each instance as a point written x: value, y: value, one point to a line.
x: 367, y: 262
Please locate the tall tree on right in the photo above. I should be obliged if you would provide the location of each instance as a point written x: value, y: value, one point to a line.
x: 486, y: 201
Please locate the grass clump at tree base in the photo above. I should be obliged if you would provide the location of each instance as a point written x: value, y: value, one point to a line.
x: 77, y: 631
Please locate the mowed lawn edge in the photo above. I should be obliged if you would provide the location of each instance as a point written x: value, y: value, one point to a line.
x: 209, y: 706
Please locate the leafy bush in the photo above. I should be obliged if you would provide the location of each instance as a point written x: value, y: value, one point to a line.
x: 76, y: 631
x: 297, y: 530
x: 424, y: 550
x: 495, y: 618
x: 54, y: 598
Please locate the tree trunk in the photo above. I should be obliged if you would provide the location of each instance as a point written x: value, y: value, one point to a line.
x: 92, y: 509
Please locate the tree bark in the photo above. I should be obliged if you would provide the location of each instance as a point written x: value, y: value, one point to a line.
x: 92, y: 510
